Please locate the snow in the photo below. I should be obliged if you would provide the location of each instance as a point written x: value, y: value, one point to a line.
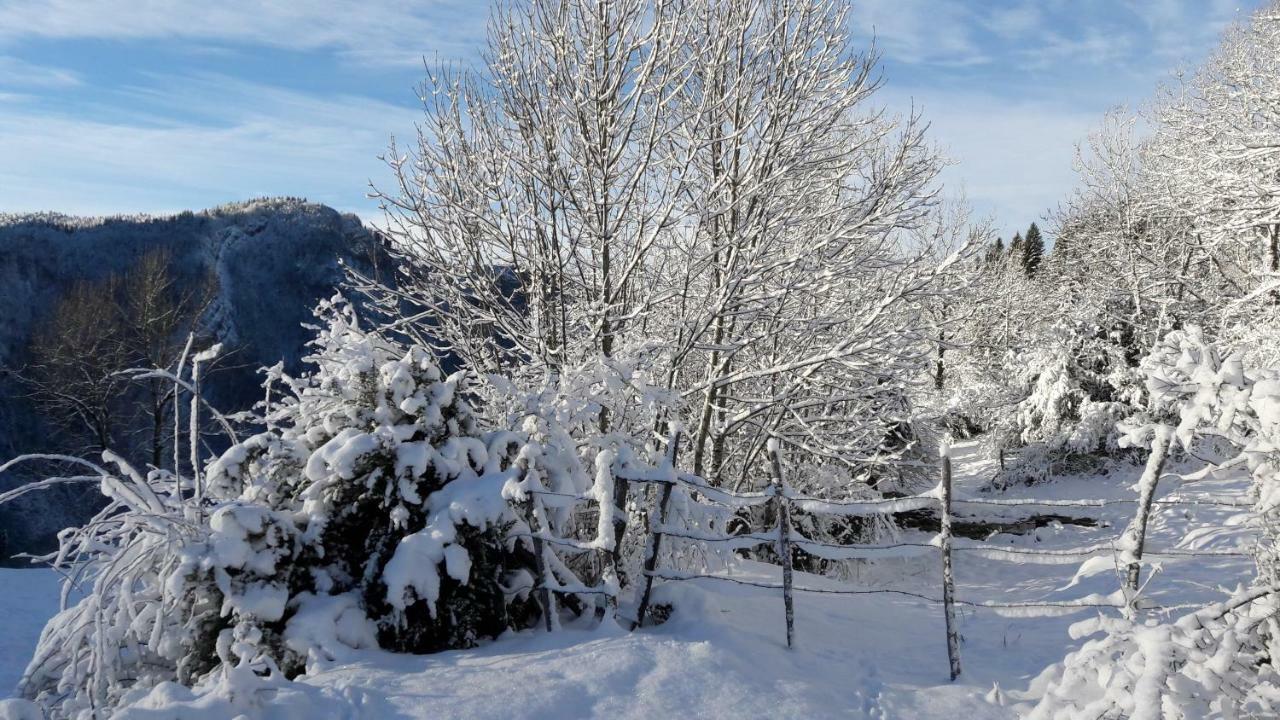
x: 476, y: 501
x: 326, y: 627
x: 414, y: 566
x: 341, y: 454
x: 28, y: 597
x: 723, y: 653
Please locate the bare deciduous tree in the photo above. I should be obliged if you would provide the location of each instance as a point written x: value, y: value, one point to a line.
x: 79, y: 359
x: 692, y: 197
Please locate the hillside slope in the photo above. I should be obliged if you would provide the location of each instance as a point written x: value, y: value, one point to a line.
x: 272, y: 260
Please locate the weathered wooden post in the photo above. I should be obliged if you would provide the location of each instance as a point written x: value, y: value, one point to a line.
x: 783, y: 506
x: 948, y: 579
x: 1137, y: 531
x: 197, y: 483
x: 177, y: 417
x: 545, y: 596
x: 655, y: 534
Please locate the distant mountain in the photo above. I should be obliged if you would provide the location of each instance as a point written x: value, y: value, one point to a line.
x: 272, y: 259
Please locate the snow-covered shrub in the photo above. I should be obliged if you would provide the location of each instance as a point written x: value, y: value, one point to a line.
x: 396, y: 495
x: 568, y: 454
x: 129, y: 629
x: 371, y: 510
x: 1205, y: 392
x: 1072, y: 392
x: 1210, y: 663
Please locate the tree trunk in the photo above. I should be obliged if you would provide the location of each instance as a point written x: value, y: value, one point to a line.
x: 1147, y: 492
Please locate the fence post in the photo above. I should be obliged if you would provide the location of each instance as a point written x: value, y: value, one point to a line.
x: 655, y: 535
x: 948, y: 579
x: 547, y: 599
x: 784, y: 537
x: 1147, y: 492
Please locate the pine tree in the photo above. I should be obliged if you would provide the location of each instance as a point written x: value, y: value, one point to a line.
x: 1061, y: 254
x: 996, y: 253
x: 1015, y: 248
x: 1032, y: 251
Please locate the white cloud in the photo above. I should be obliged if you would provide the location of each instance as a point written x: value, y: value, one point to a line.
x: 1091, y: 46
x: 1014, y: 22
x: 254, y: 140
x: 1180, y: 30
x: 369, y: 31
x: 1045, y: 33
x: 921, y: 31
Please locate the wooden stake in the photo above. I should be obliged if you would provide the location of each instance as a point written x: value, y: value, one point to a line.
x: 948, y: 579
x: 545, y: 597
x: 655, y: 535
x: 1147, y: 493
x: 784, y: 538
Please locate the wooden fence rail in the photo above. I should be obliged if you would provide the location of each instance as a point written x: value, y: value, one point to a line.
x: 783, y: 502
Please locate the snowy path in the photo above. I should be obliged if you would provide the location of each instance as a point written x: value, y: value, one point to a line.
x: 1179, y: 581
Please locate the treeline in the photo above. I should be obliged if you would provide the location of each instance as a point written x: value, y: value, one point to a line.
x: 1177, y: 228
x: 1026, y: 252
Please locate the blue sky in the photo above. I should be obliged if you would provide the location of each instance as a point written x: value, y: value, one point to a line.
x: 111, y: 106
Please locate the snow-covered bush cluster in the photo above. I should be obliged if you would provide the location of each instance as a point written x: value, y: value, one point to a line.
x: 1215, y: 662
x: 1076, y: 391
x: 373, y: 477
x: 371, y: 511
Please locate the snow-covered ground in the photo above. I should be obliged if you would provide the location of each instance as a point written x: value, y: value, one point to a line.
x: 27, y: 598
x: 723, y: 653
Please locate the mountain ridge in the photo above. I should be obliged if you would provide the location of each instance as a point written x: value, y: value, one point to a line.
x: 272, y: 258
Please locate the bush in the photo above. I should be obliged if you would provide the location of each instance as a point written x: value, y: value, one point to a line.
x: 370, y: 511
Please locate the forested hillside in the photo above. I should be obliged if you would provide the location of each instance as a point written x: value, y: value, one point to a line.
x: 87, y: 297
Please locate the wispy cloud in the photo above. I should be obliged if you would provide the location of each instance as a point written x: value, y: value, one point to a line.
x: 1013, y: 23
x: 922, y: 31
x: 960, y: 33
x: 1178, y: 26
x: 1013, y: 158
x: 251, y: 140
x: 368, y: 31
x: 16, y: 72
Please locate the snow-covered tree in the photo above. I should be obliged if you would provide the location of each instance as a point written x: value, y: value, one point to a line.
x: 709, y: 178
x: 1218, y: 661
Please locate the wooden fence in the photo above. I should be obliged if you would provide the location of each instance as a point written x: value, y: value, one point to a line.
x: 782, y: 502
